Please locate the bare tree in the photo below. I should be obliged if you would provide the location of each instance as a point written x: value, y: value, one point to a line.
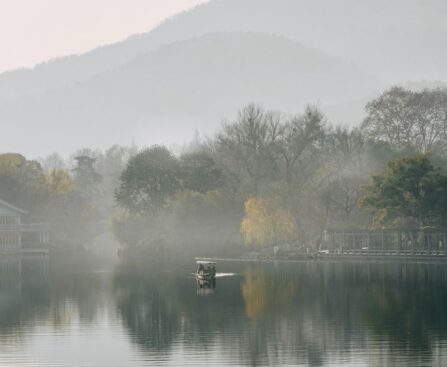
x: 405, y: 118
x: 299, y: 140
x: 248, y: 146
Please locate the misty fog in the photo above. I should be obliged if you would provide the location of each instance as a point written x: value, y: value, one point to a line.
x: 251, y: 182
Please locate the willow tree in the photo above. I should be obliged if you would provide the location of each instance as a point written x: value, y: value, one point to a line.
x: 267, y: 223
x: 59, y: 181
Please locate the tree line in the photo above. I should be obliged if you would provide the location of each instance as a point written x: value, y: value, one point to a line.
x: 279, y: 179
x: 265, y: 178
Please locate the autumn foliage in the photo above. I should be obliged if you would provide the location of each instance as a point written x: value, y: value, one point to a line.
x: 267, y: 223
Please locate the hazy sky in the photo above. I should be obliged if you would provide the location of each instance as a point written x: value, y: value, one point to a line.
x: 32, y: 31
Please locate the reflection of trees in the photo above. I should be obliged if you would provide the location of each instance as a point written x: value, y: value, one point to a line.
x: 409, y: 311
x: 395, y: 314
x: 309, y: 307
x: 255, y: 291
x: 53, y: 292
x: 148, y: 308
x: 261, y: 291
x: 161, y: 309
x: 23, y: 292
x: 400, y: 305
x: 286, y: 314
x: 278, y: 309
x: 290, y: 314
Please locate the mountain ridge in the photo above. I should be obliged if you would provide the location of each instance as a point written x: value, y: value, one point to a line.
x: 187, y: 85
x: 346, y: 29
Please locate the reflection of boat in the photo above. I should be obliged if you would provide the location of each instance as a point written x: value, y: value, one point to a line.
x: 206, y: 287
x: 206, y: 270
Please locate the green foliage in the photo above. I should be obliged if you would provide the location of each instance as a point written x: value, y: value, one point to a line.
x: 110, y: 165
x: 149, y: 179
x: 216, y: 213
x: 316, y: 169
x: 155, y: 175
x: 410, y: 192
x: 200, y: 173
x: 192, y: 223
x: 316, y: 173
x: 134, y: 229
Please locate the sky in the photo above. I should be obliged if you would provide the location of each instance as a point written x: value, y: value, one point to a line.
x: 32, y: 31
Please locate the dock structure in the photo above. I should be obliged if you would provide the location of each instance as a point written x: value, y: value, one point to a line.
x: 21, y: 238
x: 395, y: 243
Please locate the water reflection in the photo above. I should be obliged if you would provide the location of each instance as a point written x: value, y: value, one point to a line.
x: 206, y: 287
x: 148, y: 307
x: 23, y: 289
x: 311, y: 314
x: 263, y: 292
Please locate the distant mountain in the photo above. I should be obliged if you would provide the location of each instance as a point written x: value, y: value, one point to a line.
x: 197, y: 68
x: 396, y: 40
x: 164, y: 95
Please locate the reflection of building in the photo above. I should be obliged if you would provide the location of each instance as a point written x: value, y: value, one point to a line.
x: 17, y: 237
x: 18, y: 274
x: 10, y: 274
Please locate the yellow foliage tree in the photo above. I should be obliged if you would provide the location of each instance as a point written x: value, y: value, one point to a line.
x: 255, y: 291
x: 261, y: 292
x: 11, y: 161
x: 267, y: 223
x: 22, y: 181
x: 59, y: 181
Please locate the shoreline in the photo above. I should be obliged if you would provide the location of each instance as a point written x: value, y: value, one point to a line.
x: 340, y: 258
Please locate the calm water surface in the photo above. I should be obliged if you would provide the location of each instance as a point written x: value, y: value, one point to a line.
x: 304, y: 314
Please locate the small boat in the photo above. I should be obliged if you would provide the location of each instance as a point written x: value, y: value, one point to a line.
x: 206, y: 270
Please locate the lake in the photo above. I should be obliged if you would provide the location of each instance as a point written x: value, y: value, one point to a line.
x: 275, y: 314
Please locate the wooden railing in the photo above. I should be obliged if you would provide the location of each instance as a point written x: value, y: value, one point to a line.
x: 25, y: 227
x: 386, y: 253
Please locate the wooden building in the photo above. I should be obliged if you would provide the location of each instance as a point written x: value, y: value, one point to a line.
x: 17, y: 237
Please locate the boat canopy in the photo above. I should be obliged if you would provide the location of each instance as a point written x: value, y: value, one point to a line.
x: 203, y: 262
